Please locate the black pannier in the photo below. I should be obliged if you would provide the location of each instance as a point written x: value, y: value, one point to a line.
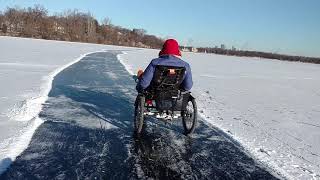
x: 174, y: 100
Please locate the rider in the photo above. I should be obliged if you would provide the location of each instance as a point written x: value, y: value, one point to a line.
x: 170, y: 55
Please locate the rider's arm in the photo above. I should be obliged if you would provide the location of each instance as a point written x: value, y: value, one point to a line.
x: 146, y: 78
x: 187, y: 82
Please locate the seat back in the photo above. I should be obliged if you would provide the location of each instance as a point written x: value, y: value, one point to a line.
x: 167, y: 78
x: 166, y: 87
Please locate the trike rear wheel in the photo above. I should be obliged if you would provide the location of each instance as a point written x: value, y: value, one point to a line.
x: 189, y: 116
x: 139, y: 114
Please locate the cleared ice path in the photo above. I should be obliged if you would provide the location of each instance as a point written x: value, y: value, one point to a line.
x: 87, y: 134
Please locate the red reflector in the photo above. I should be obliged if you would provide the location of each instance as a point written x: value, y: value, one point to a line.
x: 149, y: 101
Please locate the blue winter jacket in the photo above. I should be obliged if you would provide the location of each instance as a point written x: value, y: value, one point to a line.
x: 166, y: 60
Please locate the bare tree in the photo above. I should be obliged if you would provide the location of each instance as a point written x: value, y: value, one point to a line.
x: 106, y: 21
x: 13, y: 17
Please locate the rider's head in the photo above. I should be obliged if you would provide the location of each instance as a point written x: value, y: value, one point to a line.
x: 170, y: 47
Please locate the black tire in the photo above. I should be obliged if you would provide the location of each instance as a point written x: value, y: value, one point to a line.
x: 139, y: 114
x: 189, y: 117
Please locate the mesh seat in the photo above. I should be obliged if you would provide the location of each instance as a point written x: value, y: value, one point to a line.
x: 168, y: 77
x: 166, y: 88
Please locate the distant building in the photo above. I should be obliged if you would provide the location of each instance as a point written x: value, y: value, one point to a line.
x: 185, y: 49
x: 223, y: 46
x: 193, y: 49
x: 233, y: 48
x: 189, y: 49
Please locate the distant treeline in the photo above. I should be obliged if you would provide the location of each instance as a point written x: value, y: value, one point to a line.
x: 71, y: 25
x: 267, y: 55
x: 76, y: 26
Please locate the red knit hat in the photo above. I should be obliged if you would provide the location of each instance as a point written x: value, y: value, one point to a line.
x: 170, y: 47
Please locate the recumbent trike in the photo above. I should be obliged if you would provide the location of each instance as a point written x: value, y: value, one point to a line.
x: 165, y: 100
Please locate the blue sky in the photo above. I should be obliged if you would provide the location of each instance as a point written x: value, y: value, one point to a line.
x: 280, y: 26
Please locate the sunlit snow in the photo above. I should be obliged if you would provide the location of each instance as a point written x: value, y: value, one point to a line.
x: 271, y: 107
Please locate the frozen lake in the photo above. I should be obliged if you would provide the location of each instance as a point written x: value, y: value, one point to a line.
x: 270, y: 106
x: 88, y: 134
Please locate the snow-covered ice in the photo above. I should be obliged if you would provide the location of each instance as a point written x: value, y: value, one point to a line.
x: 271, y: 107
x: 27, y: 68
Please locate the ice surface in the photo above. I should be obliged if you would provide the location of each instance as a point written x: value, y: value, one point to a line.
x: 87, y: 134
x: 27, y: 68
x: 271, y: 107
